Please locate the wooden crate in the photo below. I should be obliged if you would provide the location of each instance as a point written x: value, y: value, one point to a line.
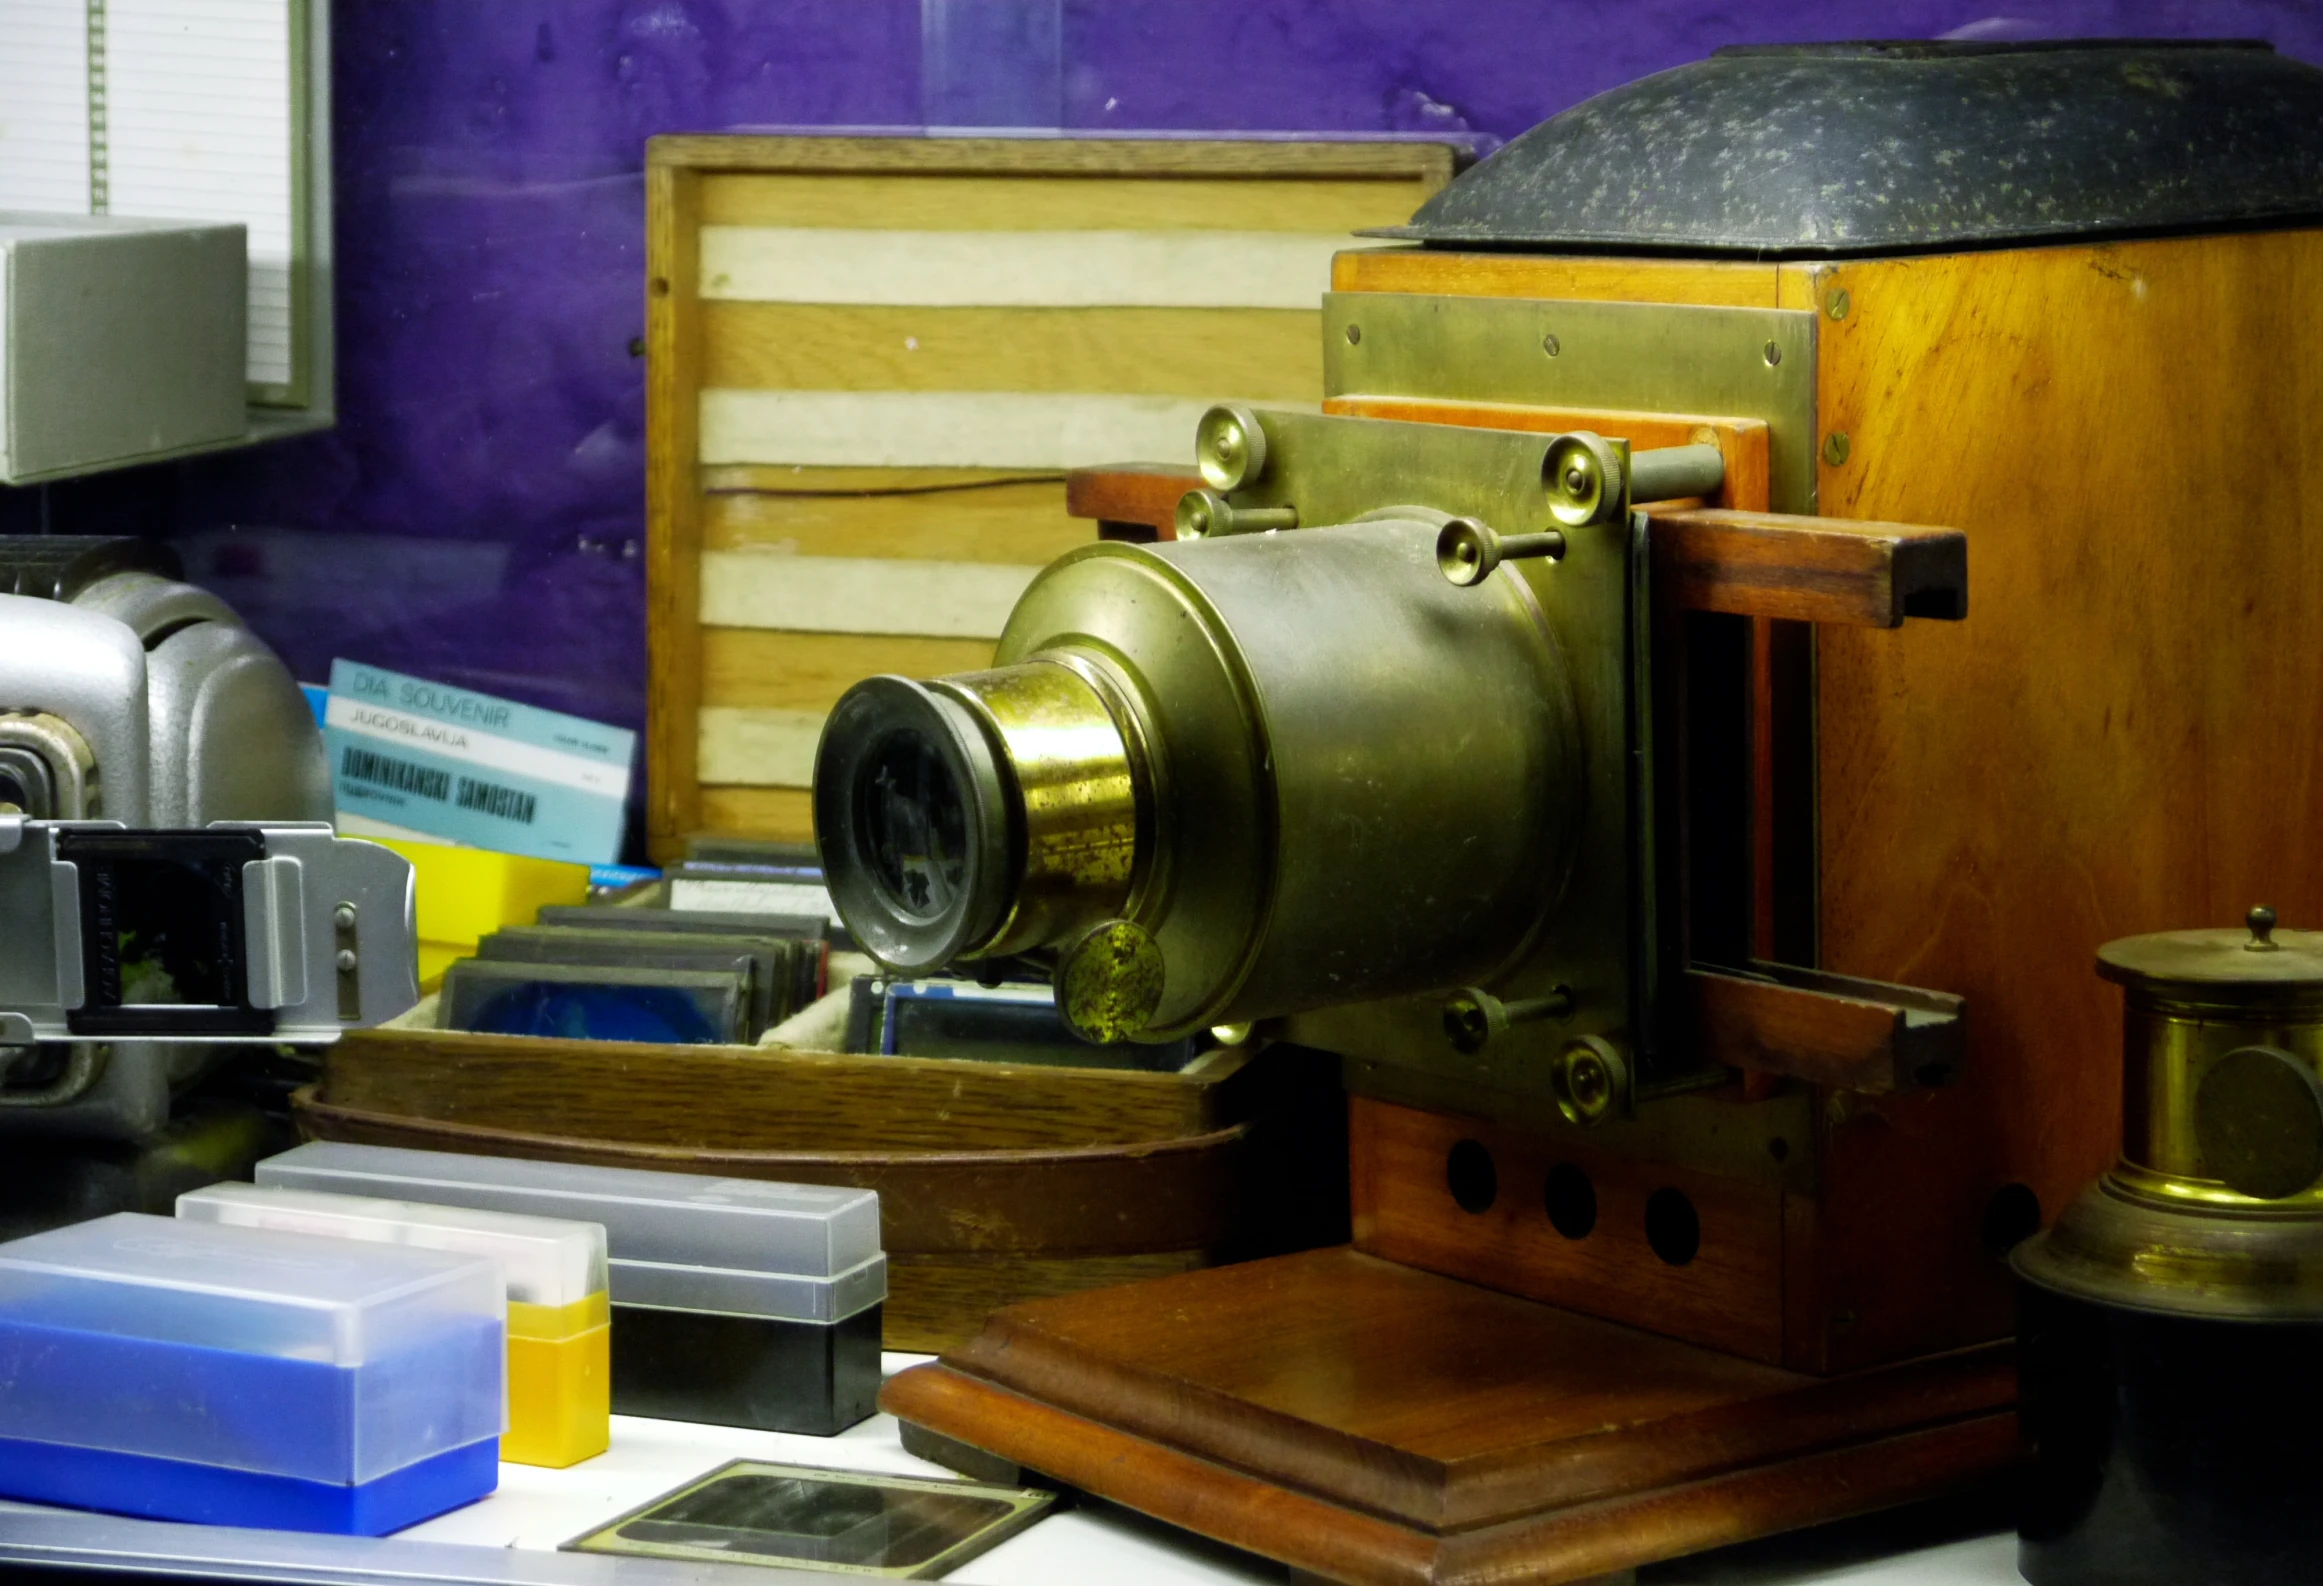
x: 997, y: 1182
x: 871, y: 361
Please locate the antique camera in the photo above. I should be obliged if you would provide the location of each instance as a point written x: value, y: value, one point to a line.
x: 166, y: 878
x: 1709, y: 964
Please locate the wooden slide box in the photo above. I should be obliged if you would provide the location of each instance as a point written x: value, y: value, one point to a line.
x: 871, y: 362
x: 997, y: 1182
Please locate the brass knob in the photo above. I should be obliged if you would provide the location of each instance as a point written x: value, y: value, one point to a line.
x: 1473, y: 1016
x: 1202, y: 513
x: 1581, y: 473
x: 1230, y: 447
x: 2261, y: 921
x: 1590, y: 1080
x: 1109, y: 982
x: 1467, y: 551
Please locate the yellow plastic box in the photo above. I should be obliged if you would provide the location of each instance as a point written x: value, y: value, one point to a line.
x: 560, y: 1380
x: 559, y: 1319
x: 465, y: 894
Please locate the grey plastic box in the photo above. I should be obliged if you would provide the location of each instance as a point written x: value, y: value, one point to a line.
x: 772, y: 1296
x: 736, y: 1302
x: 675, y: 1219
x: 120, y: 341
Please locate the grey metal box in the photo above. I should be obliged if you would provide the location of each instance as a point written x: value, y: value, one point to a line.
x: 120, y: 340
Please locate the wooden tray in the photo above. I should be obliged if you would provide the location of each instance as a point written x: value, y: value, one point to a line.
x: 872, y: 360
x: 997, y: 1182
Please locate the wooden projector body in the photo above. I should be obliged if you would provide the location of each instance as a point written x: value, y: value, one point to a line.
x: 1773, y: 1293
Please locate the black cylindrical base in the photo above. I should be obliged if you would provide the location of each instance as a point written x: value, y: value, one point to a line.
x: 2168, y: 1450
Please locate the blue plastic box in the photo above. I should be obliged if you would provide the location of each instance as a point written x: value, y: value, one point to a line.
x: 239, y: 1376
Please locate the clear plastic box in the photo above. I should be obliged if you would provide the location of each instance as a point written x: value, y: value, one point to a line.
x: 546, y: 1261
x: 147, y: 1362
x: 771, y: 1296
x: 559, y: 1352
x: 685, y: 1219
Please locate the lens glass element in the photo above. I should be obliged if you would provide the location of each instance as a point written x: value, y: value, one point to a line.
x: 912, y: 826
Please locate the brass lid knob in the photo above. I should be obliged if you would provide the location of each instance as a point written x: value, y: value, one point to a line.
x: 2254, y: 963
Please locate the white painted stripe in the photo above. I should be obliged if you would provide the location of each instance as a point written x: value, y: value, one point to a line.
x: 475, y: 748
x: 947, y: 429
x: 758, y: 747
x: 1019, y: 269
x: 750, y: 897
x: 844, y: 594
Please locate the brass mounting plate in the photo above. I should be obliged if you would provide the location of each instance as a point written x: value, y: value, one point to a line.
x: 1336, y: 470
x: 1755, y: 363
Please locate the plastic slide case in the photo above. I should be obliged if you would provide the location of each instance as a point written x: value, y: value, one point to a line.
x: 736, y: 1302
x: 240, y: 1376
x: 559, y: 1338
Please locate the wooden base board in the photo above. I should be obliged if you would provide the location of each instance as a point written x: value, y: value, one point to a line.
x: 1370, y: 1423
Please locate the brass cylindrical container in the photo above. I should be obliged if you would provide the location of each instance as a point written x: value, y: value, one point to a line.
x: 1306, y: 766
x: 2171, y: 1322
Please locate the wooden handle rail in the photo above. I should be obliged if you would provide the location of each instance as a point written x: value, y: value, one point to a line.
x: 1767, y: 564
x: 1754, y: 564
x: 1144, y: 495
x: 1827, y: 1029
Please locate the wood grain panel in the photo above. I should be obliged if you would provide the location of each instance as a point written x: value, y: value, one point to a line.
x: 1594, y: 1544
x: 1286, y: 194
x: 1728, y: 1295
x: 2117, y: 740
x: 755, y: 667
x: 782, y: 814
x: 1256, y: 354
x: 673, y: 533
x: 1411, y: 1395
x: 1574, y: 277
x: 937, y: 1302
x: 1030, y: 203
x: 1260, y: 159
x: 747, y: 1099
x: 1024, y: 523
x: 799, y: 479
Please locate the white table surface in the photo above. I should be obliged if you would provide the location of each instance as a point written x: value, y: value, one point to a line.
x: 1098, y: 1543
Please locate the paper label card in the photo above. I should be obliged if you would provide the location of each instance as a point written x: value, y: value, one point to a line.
x: 474, y: 769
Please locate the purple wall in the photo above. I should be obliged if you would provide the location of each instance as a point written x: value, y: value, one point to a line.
x: 476, y: 516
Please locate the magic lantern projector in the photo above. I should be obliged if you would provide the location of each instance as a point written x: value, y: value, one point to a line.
x: 1524, y: 729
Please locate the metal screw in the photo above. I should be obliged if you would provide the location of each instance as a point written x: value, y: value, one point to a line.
x: 1835, y: 448
x: 1774, y: 354
x: 1473, y: 1016
x: 1576, y: 480
x: 1354, y: 334
x: 345, y: 960
x: 1837, y: 304
x: 344, y: 916
x: 1551, y: 346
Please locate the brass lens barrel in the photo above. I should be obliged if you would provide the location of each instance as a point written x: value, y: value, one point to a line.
x: 1295, y: 770
x: 1075, y: 795
x: 989, y: 812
